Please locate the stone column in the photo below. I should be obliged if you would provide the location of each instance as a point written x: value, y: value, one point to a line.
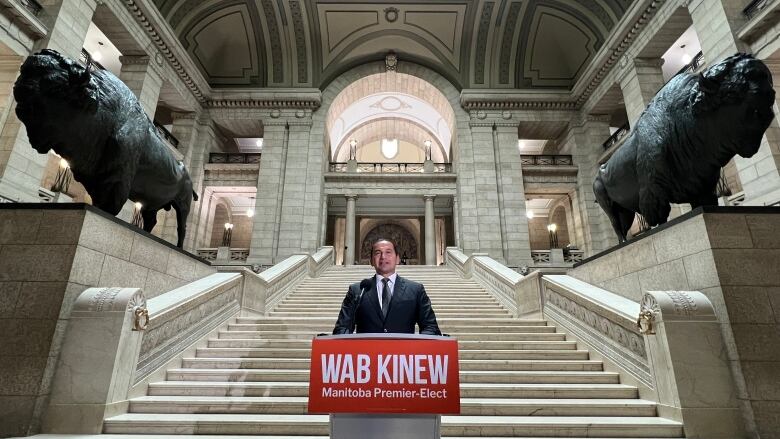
x: 480, y: 230
x: 640, y: 81
x: 509, y: 177
x: 717, y: 23
x: 141, y: 76
x: 455, y: 221
x: 300, y: 211
x: 349, y: 240
x: 270, y: 185
x: 186, y: 129
x: 430, y: 234
x: 21, y: 166
x: 586, y: 138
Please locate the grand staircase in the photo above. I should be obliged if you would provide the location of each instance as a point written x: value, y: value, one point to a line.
x: 519, y: 378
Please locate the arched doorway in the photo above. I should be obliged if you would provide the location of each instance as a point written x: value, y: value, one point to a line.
x: 406, y: 244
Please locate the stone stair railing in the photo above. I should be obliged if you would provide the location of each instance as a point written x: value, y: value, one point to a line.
x: 118, y: 341
x: 669, y: 346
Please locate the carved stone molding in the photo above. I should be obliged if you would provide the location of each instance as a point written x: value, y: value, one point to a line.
x: 263, y: 103
x: 677, y: 306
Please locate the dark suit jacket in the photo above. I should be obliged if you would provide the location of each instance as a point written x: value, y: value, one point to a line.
x: 409, y: 305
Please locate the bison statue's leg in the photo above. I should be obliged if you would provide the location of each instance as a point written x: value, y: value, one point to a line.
x: 616, y: 213
x: 150, y: 219
x: 182, y: 205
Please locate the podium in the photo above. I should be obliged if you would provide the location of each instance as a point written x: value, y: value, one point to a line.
x: 384, y: 385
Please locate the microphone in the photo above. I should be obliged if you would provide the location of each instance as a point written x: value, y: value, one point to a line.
x: 364, y: 284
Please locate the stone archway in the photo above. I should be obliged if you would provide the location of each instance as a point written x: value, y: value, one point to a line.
x: 404, y: 240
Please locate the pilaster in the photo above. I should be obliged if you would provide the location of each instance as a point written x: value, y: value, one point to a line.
x: 479, y: 225
x: 640, y: 81
x: 142, y: 78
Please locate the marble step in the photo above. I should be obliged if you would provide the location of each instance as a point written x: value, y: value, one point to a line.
x: 538, y: 356
x: 520, y: 346
x: 222, y: 436
x: 452, y: 329
x: 307, y: 335
x: 529, y: 336
x: 317, y: 328
x: 282, y: 362
x: 453, y: 305
x: 473, y: 315
x: 466, y: 376
x: 506, y: 321
x: 467, y: 390
x: 469, y: 406
x: 502, y: 426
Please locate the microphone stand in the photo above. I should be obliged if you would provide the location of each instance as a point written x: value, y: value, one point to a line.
x: 355, y: 308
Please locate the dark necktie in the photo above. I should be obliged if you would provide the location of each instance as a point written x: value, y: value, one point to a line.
x: 385, y: 296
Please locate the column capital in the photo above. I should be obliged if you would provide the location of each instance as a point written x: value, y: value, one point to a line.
x: 629, y: 65
x: 429, y: 197
x: 134, y: 59
x: 350, y: 196
x: 177, y: 115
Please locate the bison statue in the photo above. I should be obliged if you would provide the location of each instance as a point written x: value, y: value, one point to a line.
x: 96, y: 123
x: 692, y: 127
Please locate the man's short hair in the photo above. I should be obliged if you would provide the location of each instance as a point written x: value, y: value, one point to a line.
x: 395, y: 249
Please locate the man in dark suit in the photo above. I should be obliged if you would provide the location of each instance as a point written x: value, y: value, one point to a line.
x: 386, y: 302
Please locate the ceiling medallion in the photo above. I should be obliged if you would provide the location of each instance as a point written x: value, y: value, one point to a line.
x: 391, y: 61
x: 391, y: 103
x: 391, y: 14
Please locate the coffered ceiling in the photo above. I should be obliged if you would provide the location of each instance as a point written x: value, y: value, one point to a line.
x: 526, y: 44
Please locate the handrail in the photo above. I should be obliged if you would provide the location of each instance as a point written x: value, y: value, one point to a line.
x: 87, y: 61
x: 754, y: 7
x: 167, y: 134
x: 546, y: 160
x: 235, y: 158
x: 616, y: 136
x: 695, y: 63
x: 31, y: 5
x: 389, y: 168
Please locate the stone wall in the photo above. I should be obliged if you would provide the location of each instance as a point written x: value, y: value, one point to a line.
x: 49, y: 254
x: 731, y: 255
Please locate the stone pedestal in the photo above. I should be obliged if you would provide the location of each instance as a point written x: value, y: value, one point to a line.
x: 730, y: 254
x: 49, y: 254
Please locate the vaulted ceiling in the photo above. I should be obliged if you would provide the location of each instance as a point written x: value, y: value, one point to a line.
x: 527, y: 44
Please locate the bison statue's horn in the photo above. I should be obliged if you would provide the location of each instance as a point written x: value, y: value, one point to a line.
x: 79, y: 77
x: 708, y: 85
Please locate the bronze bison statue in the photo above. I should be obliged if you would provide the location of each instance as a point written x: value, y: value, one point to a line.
x: 692, y: 127
x: 96, y: 123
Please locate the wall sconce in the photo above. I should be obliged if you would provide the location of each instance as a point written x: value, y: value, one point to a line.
x: 227, y: 235
x: 427, y: 144
x: 63, y: 178
x: 552, y: 229
x: 352, y: 149
x: 137, y: 220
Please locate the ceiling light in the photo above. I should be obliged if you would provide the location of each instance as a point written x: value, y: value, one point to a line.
x: 529, y: 214
x: 259, y: 143
x: 250, y: 213
x: 97, y: 56
x: 427, y: 143
x: 686, y: 59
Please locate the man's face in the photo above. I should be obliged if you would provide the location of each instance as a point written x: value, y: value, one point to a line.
x: 384, y: 258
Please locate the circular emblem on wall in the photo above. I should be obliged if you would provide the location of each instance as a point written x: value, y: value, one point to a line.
x: 390, y: 103
x: 481, y: 114
x: 391, y: 14
x: 158, y: 58
x: 275, y: 113
x: 300, y: 113
x: 506, y: 115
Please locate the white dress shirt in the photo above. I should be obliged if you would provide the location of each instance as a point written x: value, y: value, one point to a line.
x: 380, y: 286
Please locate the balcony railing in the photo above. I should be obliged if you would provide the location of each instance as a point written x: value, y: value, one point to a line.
x: 546, y: 160
x: 390, y: 168
x: 754, y: 7
x: 31, y: 5
x: 234, y: 255
x: 616, y: 136
x: 87, y: 61
x: 234, y: 158
x: 695, y: 63
x: 543, y: 256
x: 167, y: 135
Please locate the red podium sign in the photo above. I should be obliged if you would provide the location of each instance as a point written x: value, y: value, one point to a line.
x: 378, y: 374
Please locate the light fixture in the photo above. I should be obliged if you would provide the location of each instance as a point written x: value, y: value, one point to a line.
x: 137, y: 219
x: 520, y: 143
x: 427, y: 144
x: 228, y: 226
x: 352, y: 149
x: 389, y: 148
x: 259, y: 143
x: 97, y: 56
x: 138, y: 205
x: 227, y: 235
x: 552, y: 229
x: 250, y: 213
x: 686, y: 59
x: 529, y: 214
